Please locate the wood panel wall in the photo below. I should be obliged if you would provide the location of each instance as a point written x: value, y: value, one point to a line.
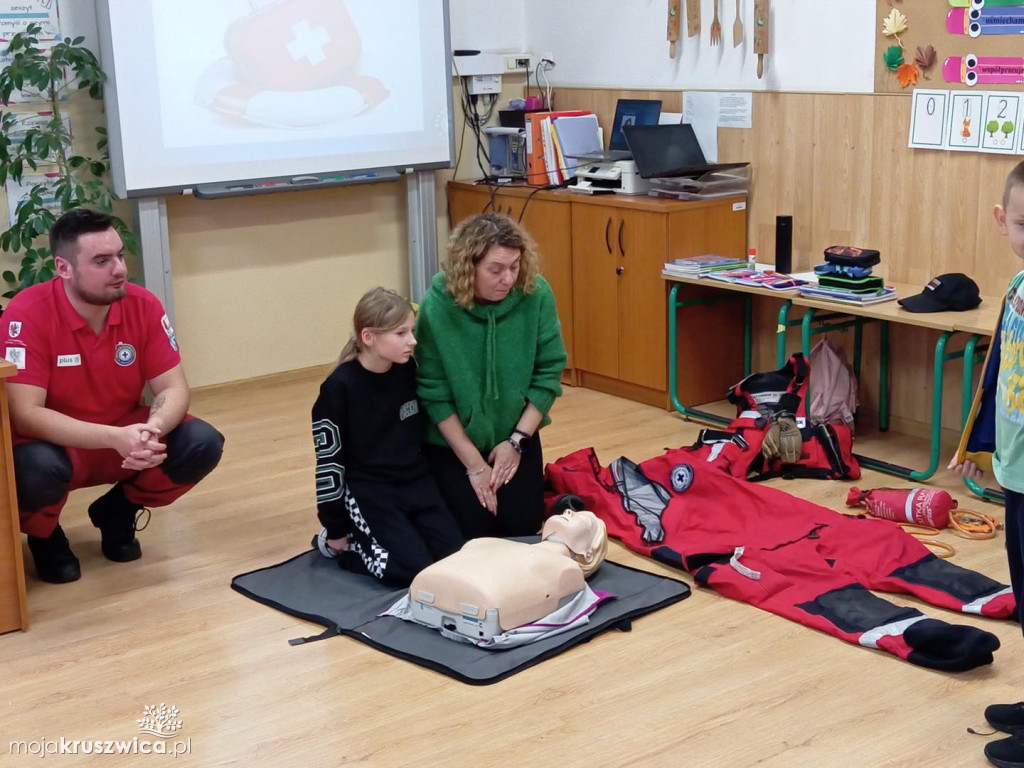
x: 840, y: 165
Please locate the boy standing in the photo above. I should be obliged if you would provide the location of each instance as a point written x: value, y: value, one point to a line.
x: 1008, y: 458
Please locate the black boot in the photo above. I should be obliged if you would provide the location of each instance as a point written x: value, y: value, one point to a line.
x: 55, y: 562
x: 115, y: 516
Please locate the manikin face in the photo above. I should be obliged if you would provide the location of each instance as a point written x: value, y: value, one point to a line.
x: 496, y: 273
x: 97, y: 273
x: 582, y: 532
x: 391, y: 346
x: 1011, y: 220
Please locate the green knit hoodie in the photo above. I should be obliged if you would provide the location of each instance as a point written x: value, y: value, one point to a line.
x: 485, y: 362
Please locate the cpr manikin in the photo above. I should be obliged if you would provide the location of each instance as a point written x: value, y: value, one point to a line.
x: 495, y: 592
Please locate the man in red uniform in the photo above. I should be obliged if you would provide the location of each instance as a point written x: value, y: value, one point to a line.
x: 85, y: 344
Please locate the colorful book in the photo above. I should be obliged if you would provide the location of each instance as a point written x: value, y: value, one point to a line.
x: 773, y: 281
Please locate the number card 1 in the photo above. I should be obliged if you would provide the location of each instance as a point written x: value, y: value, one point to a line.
x: 965, y: 121
x: 1002, y: 122
x: 928, y: 124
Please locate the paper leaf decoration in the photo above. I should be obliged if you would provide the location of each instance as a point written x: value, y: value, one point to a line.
x: 925, y: 57
x: 895, y: 24
x: 893, y: 57
x: 907, y: 74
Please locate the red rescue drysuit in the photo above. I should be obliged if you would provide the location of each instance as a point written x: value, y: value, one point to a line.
x: 789, y: 556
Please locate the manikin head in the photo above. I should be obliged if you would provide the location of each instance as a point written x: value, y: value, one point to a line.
x: 583, y: 533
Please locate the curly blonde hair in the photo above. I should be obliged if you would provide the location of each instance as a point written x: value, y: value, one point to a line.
x: 469, y: 243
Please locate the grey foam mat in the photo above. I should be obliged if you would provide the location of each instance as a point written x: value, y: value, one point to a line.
x: 312, y: 587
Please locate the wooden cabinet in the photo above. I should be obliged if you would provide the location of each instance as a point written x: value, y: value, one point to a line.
x: 13, y: 606
x: 603, y: 256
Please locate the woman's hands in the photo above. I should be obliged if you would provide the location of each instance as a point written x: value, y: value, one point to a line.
x: 504, y: 460
x: 501, y: 466
x: 480, y: 479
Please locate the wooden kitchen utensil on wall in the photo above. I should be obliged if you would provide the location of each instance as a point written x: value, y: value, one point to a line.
x: 761, y: 39
x: 673, y: 27
x: 737, y: 26
x: 693, y: 18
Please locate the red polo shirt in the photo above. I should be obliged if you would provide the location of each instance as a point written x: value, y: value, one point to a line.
x: 94, y: 378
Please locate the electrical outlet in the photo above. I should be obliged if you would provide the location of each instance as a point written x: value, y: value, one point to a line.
x: 517, y: 62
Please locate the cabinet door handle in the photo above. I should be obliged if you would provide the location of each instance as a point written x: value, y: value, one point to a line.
x: 622, y: 223
x: 619, y: 270
x: 607, y: 230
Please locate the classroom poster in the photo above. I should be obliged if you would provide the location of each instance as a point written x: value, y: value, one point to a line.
x: 18, y: 191
x: 15, y: 15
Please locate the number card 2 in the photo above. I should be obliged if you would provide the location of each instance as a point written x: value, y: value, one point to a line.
x: 1002, y: 123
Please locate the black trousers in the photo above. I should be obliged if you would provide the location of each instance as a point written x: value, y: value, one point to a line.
x: 520, y: 503
x: 45, y: 473
x: 1015, y: 545
x: 398, y: 529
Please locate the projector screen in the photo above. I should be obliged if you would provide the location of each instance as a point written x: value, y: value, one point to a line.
x: 214, y: 92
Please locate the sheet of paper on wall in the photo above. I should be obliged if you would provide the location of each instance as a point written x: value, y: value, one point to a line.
x: 736, y: 110
x: 1000, y: 123
x: 29, y: 96
x: 700, y: 109
x: 928, y: 119
x: 15, y: 15
x: 670, y: 118
x: 26, y: 121
x: 964, y: 121
x: 16, y: 192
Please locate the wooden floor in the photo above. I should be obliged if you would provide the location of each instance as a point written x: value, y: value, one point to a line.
x: 706, y: 682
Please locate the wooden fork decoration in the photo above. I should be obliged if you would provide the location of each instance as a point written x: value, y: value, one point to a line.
x: 716, y: 27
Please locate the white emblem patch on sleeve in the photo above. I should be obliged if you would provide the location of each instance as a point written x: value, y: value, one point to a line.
x: 15, y: 355
x: 14, y: 329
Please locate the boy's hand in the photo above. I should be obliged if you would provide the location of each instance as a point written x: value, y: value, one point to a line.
x: 967, y: 469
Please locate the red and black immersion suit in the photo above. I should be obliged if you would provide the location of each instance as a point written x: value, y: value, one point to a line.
x: 789, y: 556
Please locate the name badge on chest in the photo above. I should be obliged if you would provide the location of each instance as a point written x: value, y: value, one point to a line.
x: 68, y: 361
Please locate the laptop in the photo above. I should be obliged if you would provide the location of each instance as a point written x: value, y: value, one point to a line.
x: 627, y: 112
x: 669, y: 150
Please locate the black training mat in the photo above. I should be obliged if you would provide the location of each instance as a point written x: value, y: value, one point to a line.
x: 312, y: 587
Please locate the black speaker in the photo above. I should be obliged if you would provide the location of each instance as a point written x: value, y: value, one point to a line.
x: 784, y: 244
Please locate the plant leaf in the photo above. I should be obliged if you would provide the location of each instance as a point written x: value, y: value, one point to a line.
x: 893, y: 57
x: 925, y: 57
x: 895, y: 24
x: 907, y: 74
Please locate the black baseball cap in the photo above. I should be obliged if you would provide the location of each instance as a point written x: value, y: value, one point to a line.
x: 955, y: 291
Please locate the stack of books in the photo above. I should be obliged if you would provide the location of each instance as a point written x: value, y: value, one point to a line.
x: 885, y: 293
x: 702, y: 266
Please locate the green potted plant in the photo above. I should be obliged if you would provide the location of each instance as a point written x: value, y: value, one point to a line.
x: 49, y: 76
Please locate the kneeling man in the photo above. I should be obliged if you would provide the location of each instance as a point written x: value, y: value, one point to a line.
x: 85, y: 344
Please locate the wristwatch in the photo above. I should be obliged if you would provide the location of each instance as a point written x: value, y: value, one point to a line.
x: 518, y: 438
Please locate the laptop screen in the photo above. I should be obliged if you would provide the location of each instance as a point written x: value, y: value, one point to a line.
x: 660, y: 149
x: 632, y: 112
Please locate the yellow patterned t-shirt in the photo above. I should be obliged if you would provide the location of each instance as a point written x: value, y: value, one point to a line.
x: 1008, y: 460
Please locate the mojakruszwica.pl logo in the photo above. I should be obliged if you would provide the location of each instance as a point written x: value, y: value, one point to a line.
x: 158, y: 720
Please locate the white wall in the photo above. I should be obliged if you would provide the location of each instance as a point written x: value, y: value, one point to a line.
x: 484, y: 25
x: 816, y: 45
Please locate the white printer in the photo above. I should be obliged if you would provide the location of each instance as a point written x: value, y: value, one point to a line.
x: 602, y: 176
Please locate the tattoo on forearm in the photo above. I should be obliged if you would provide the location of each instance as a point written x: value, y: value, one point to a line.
x: 158, y: 403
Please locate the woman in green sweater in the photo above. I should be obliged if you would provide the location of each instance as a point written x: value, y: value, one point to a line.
x: 490, y: 361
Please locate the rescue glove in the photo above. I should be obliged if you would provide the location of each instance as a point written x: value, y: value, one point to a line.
x: 783, y: 440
